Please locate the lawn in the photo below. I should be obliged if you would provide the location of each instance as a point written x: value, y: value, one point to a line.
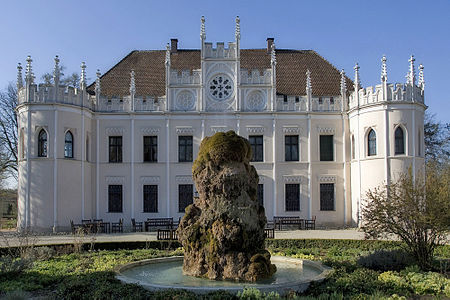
x: 362, y: 270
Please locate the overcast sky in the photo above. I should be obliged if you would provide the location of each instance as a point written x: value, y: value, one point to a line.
x: 344, y: 32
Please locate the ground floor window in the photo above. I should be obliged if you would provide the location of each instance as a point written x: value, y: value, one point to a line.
x: 260, y: 194
x: 292, y: 194
x: 115, y: 198
x: 185, y: 196
x: 151, y: 198
x: 327, y: 196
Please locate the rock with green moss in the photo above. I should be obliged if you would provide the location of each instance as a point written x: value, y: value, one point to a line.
x: 222, y: 233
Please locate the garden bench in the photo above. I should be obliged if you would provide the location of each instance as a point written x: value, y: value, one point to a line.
x: 159, y: 222
x: 310, y: 224
x: 117, y: 227
x: 269, y: 233
x: 136, y: 226
x: 166, y: 235
x: 294, y: 220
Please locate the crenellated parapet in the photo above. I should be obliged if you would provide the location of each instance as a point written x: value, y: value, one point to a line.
x: 395, y: 92
x: 389, y: 92
x: 255, y: 76
x: 220, y: 51
x: 124, y: 104
x: 185, y: 77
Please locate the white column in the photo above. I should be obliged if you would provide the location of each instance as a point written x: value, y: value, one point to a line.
x: 386, y: 147
x: 344, y: 164
x: 238, y: 125
x: 55, y: 172
x: 132, y: 166
x: 274, y: 170
x: 83, y: 157
x: 359, y: 166
x: 203, y: 129
x: 27, y: 196
x: 309, y: 169
x: 168, y: 166
x: 97, y: 172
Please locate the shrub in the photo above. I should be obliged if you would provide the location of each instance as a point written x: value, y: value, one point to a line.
x: 11, y: 266
x: 384, y: 260
x: 255, y: 294
x: 17, y: 295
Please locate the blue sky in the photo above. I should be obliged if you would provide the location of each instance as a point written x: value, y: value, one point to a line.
x: 344, y: 32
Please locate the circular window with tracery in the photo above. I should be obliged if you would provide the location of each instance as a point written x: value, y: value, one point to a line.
x: 220, y: 87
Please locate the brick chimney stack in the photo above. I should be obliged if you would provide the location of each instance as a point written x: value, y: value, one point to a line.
x: 173, y: 45
x: 269, y: 45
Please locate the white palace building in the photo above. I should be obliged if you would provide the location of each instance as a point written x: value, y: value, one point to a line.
x: 123, y: 147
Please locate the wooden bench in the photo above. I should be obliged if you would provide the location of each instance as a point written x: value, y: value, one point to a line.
x: 167, y: 235
x: 159, y: 222
x: 294, y: 220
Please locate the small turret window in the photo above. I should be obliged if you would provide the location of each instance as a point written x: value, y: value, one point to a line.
x: 372, y: 143
x: 42, y: 143
x: 68, y: 145
x: 399, y: 141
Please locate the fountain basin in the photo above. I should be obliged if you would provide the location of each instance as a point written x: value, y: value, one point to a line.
x: 166, y: 273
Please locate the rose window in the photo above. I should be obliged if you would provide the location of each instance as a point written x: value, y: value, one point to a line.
x: 221, y: 87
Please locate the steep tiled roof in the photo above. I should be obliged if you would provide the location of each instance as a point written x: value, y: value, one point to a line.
x: 291, y: 69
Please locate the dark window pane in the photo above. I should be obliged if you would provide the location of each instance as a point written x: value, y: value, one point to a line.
x: 260, y: 194
x: 400, y: 141
x: 185, y: 196
x: 292, y: 197
x: 326, y: 148
x: 291, y: 148
x: 150, y: 148
x: 256, y: 142
x: 150, y: 198
x: 185, y: 149
x: 372, y: 143
x: 115, y: 198
x: 115, y: 149
x: 68, y: 145
x: 42, y: 143
x: 327, y: 196
x: 353, y: 147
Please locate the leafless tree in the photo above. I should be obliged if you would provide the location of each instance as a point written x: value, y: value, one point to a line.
x: 8, y: 131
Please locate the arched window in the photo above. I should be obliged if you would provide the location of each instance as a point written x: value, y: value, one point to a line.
x: 42, y: 143
x: 353, y: 146
x: 68, y: 145
x: 372, y: 143
x: 399, y: 141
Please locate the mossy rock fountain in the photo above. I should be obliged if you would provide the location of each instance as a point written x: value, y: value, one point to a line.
x: 222, y: 232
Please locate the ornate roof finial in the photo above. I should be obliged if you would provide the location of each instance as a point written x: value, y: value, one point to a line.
x: 97, y: 83
x: 29, y: 76
x: 411, y: 76
x: 167, y: 54
x: 19, y: 76
x: 56, y: 70
x: 343, y: 83
x: 357, y: 79
x: 421, y: 77
x: 238, y: 29
x: 202, y: 29
x: 383, y: 69
x: 308, y: 82
x: 83, y: 75
x: 132, y: 83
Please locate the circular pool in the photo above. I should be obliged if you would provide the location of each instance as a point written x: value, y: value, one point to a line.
x: 166, y: 273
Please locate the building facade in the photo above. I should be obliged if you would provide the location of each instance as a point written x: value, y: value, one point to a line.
x: 123, y: 147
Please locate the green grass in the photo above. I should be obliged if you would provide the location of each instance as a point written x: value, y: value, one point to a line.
x: 90, y: 274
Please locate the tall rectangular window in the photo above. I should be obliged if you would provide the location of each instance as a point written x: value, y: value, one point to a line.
x: 115, y: 149
x: 292, y: 194
x: 260, y: 194
x: 291, y: 148
x: 326, y: 148
x: 185, y: 196
x: 256, y: 142
x: 115, y: 198
x: 151, y: 198
x: 150, y: 148
x: 327, y: 196
x: 185, y: 148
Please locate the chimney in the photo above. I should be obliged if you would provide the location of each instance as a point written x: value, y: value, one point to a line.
x: 269, y: 45
x: 173, y: 45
